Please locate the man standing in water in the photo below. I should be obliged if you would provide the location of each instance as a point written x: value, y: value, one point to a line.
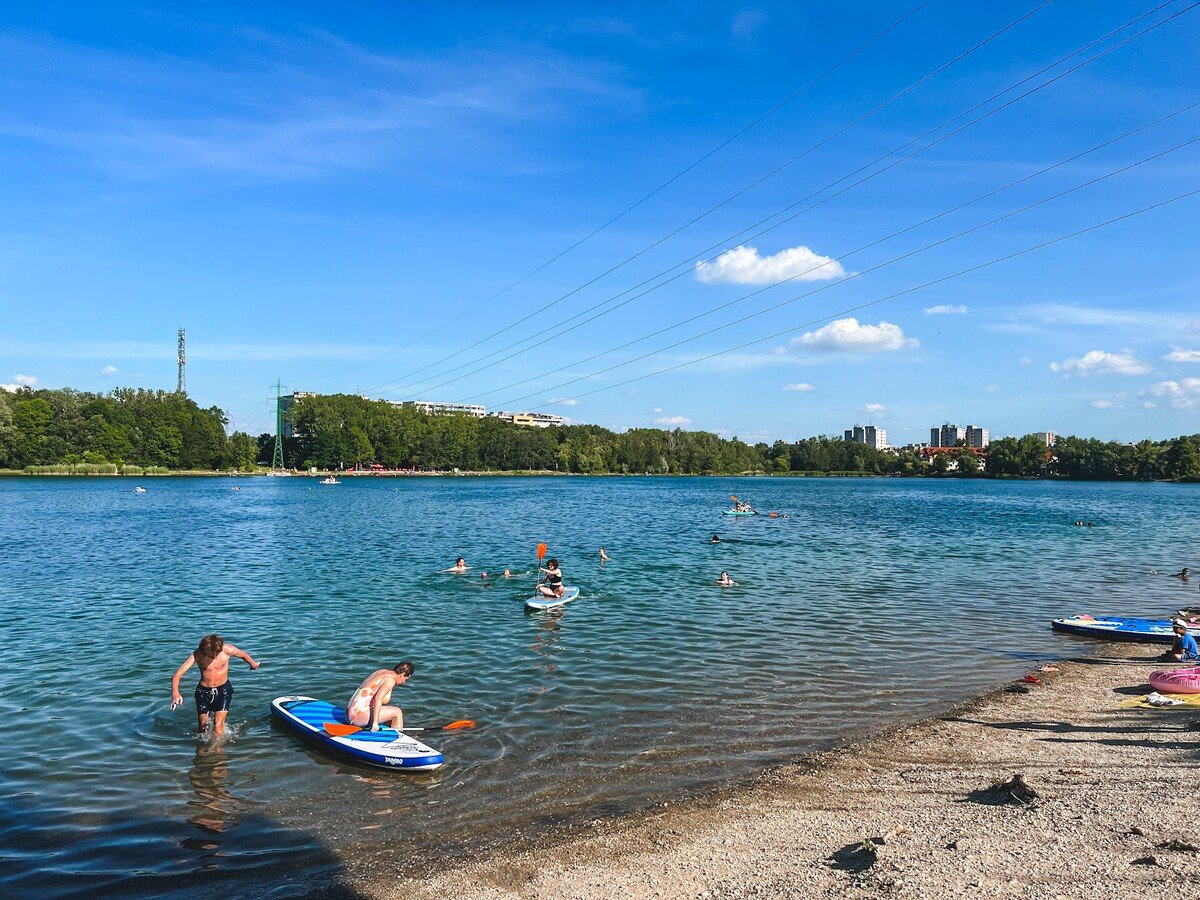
x: 368, y: 707
x: 214, y: 693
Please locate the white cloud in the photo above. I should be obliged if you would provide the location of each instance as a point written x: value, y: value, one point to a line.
x: 564, y: 401
x: 1146, y: 404
x: 1178, y: 354
x: 27, y: 380
x: 992, y: 388
x: 1101, y: 404
x: 1025, y: 361
x: 849, y: 336
x: 799, y: 386
x: 743, y: 265
x: 1181, y: 394
x: 656, y: 409
x: 11, y: 388
x: 875, y: 409
x: 946, y: 309
x: 107, y: 371
x: 674, y: 421
x: 1102, y: 363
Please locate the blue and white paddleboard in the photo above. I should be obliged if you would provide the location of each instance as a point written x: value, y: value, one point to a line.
x: 384, y: 749
x: 540, y: 602
x: 738, y: 512
x: 1118, y: 628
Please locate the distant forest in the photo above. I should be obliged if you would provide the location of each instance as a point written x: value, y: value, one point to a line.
x: 159, y: 429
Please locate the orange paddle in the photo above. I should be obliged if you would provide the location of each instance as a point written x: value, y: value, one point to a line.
x: 339, y: 730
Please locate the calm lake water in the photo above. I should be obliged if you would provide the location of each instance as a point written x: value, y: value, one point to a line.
x: 877, y: 601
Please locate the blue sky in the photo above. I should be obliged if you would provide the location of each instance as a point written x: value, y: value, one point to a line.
x: 312, y: 190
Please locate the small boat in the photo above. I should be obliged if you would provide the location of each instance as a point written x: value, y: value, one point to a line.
x: 541, y: 601
x: 1121, y: 628
x: 329, y: 480
x: 383, y: 749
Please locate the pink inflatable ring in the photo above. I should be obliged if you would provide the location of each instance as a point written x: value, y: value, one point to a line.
x: 1177, y: 681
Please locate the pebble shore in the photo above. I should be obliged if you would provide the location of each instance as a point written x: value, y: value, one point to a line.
x: 914, y: 813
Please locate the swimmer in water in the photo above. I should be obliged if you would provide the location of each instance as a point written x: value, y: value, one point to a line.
x: 714, y: 539
x: 725, y: 580
x: 214, y: 693
x: 604, y: 557
x: 460, y: 566
x: 1183, y: 575
x: 506, y: 574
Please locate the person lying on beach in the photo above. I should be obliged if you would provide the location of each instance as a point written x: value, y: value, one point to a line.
x: 725, y: 580
x: 214, y: 693
x: 604, y: 557
x: 552, y: 584
x: 1184, y: 648
x: 369, y: 708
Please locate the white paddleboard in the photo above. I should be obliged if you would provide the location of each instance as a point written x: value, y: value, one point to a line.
x: 540, y: 602
x: 384, y: 749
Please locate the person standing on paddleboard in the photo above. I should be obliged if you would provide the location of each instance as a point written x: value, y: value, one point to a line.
x: 552, y: 584
x: 214, y: 693
x: 369, y: 708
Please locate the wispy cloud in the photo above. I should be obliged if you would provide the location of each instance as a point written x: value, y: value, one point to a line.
x: 743, y: 265
x: 1178, y: 354
x: 945, y: 310
x: 26, y: 380
x: 1102, y: 404
x: 1181, y: 394
x: 673, y: 421
x: 108, y: 371
x: 802, y: 386
x: 851, y: 336
x: 875, y: 409
x: 1099, y: 362
x: 564, y: 401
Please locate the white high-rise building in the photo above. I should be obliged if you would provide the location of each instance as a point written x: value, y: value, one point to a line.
x: 977, y: 437
x: 867, y: 434
x: 434, y: 408
x: 947, y: 436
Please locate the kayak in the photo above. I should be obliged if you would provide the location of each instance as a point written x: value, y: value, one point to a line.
x: 540, y: 602
x: 1118, y: 628
x: 738, y: 512
x: 1177, y: 681
x: 383, y: 749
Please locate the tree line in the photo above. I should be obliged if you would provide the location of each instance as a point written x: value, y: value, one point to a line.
x: 158, y: 428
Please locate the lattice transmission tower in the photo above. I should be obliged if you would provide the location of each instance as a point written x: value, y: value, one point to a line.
x: 181, y: 355
x: 277, y: 458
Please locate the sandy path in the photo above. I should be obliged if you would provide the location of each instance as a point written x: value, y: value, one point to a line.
x: 1101, y: 771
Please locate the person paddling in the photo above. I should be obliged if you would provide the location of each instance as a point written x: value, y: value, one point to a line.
x: 552, y: 584
x: 369, y: 708
x: 214, y: 693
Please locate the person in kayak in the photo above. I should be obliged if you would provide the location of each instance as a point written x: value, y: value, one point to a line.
x: 552, y: 584
x: 1184, y: 647
x: 214, y: 693
x: 369, y: 708
x: 725, y: 580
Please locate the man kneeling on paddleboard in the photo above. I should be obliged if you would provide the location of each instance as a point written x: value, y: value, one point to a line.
x: 368, y: 707
x: 214, y: 693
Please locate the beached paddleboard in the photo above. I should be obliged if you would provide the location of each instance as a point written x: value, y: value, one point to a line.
x: 541, y: 602
x: 738, y: 512
x: 1117, y: 628
x: 384, y: 749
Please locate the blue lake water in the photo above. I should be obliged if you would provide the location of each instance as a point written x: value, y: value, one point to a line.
x: 877, y: 601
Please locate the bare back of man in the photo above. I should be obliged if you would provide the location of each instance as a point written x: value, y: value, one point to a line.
x: 369, y: 706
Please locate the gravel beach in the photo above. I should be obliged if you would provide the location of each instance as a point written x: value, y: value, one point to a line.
x: 912, y: 813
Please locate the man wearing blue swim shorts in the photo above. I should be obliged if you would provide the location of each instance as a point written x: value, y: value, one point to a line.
x: 214, y: 693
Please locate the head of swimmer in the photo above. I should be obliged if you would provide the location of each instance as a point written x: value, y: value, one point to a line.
x: 459, y: 563
x: 210, y: 645
x: 403, y: 671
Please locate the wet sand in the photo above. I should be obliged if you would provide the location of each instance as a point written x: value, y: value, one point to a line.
x: 1117, y: 808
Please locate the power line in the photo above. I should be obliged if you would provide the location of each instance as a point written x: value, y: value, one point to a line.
x: 846, y: 255
x: 684, y: 266
x: 731, y: 197
x: 867, y: 271
x: 682, y: 172
x: 893, y: 296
